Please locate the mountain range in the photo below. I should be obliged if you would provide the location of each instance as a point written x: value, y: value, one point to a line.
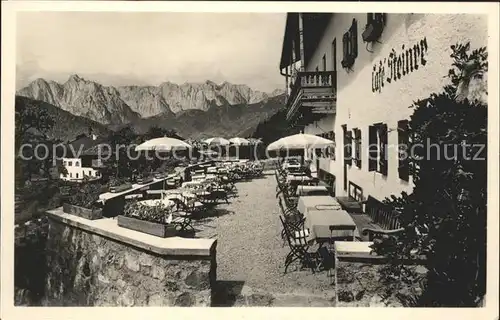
x: 194, y: 110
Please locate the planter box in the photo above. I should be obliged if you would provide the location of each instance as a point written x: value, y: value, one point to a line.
x: 145, y: 180
x: 91, y: 214
x: 152, y: 228
x: 120, y: 188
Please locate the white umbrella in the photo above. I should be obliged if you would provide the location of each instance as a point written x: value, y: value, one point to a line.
x: 300, y: 141
x: 163, y: 144
x: 217, y: 141
x: 239, y: 141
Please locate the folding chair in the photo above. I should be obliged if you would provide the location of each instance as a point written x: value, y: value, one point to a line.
x: 299, y: 246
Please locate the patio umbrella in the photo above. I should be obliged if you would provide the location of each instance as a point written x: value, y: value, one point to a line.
x: 217, y: 141
x: 299, y: 141
x: 239, y: 141
x: 163, y: 144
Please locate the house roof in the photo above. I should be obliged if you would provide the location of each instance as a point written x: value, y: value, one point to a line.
x: 85, y: 146
x: 313, y: 24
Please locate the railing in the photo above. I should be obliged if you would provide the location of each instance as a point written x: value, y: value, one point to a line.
x: 382, y: 215
x: 310, y: 80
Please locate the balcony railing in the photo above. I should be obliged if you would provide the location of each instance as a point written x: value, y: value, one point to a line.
x: 316, y: 90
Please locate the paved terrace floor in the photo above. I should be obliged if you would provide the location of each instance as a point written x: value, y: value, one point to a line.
x: 251, y: 255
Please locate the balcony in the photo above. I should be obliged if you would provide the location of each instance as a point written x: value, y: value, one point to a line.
x: 316, y: 91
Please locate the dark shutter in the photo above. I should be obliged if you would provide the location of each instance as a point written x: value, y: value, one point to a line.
x: 357, y: 150
x: 345, y: 46
x: 372, y: 148
x: 369, y: 18
x: 332, y: 149
x: 348, y: 147
x: 383, y: 149
x: 354, y: 38
x: 403, y: 141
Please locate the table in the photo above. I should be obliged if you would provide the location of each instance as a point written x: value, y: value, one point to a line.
x: 307, y: 203
x: 293, y: 178
x: 326, y: 224
x: 325, y: 218
x: 317, y: 190
x: 197, y: 183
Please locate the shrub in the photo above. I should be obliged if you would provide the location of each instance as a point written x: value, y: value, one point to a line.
x: 86, y: 196
x: 445, y: 216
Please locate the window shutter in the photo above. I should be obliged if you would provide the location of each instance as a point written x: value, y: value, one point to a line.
x: 348, y: 147
x: 354, y: 38
x: 345, y: 45
x: 369, y: 18
x: 403, y: 141
x: 383, y: 149
x: 357, y: 142
x: 372, y: 148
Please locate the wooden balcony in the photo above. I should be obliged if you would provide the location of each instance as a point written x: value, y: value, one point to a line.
x: 314, y: 90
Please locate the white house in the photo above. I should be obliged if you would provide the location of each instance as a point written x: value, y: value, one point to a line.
x: 81, y: 161
x: 352, y: 78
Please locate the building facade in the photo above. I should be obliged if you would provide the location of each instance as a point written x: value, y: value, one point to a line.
x: 352, y: 78
x: 82, y: 159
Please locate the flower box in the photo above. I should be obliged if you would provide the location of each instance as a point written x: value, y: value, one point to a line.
x: 120, y: 188
x: 152, y: 228
x: 91, y: 214
x: 145, y: 180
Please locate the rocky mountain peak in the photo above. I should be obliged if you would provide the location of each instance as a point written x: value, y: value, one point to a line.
x: 124, y: 104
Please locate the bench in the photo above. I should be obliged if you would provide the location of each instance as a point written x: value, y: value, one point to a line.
x: 384, y: 220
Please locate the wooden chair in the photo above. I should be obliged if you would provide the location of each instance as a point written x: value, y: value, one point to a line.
x: 298, y: 242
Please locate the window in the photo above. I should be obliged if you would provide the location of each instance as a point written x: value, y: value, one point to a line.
x: 357, y: 147
x: 70, y: 175
x: 77, y: 164
x: 377, y: 149
x: 70, y: 164
x: 324, y: 62
x: 77, y: 175
x: 331, y: 136
x: 65, y: 163
x: 403, y: 146
x: 347, y: 146
x: 350, y: 45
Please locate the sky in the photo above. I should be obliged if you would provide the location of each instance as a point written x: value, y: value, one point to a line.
x: 148, y: 48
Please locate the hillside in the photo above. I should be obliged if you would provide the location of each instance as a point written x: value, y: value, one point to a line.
x: 225, y: 121
x: 67, y: 126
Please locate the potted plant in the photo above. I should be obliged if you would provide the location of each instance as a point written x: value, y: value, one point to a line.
x: 119, y: 185
x: 84, y: 202
x: 153, y: 220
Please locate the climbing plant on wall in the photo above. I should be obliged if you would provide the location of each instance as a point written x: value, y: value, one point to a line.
x: 445, y: 216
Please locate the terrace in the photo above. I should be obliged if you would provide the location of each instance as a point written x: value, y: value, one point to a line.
x: 236, y: 254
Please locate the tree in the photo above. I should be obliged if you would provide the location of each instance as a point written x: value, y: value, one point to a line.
x: 32, y: 125
x: 444, y: 218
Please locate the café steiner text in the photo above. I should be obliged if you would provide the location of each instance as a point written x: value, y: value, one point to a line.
x: 399, y: 64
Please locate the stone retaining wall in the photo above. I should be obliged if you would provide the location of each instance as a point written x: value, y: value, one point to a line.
x: 90, y: 269
x: 359, y: 284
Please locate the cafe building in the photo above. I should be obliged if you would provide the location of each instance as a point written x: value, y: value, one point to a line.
x: 352, y: 77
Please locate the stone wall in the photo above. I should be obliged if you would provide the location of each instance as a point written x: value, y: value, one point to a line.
x: 89, y: 269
